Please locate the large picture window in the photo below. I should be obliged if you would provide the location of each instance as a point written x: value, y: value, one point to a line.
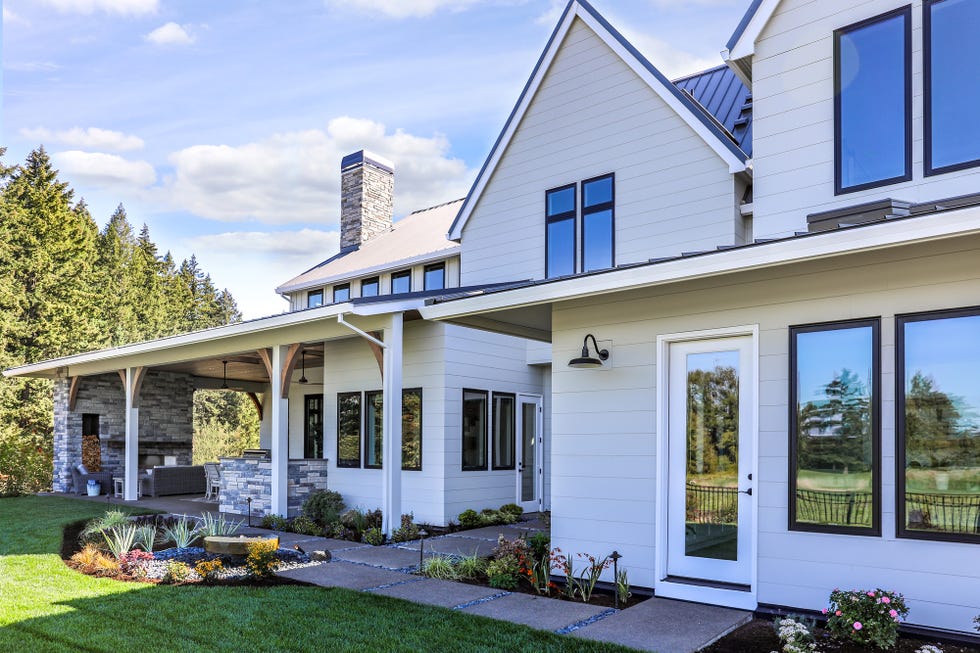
x: 412, y: 429
x: 873, y: 102
x: 474, y: 430
x: 349, y: 429
x: 835, y: 429
x: 598, y: 200
x: 951, y: 57
x: 504, y: 430
x: 373, y: 434
x: 560, y: 231
x: 938, y: 456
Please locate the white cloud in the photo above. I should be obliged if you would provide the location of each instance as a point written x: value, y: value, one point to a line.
x: 304, y: 244
x: 550, y: 17
x: 169, y: 34
x: 295, y: 176
x: 100, y: 169
x: 92, y: 138
x: 671, y: 61
x: 10, y: 18
x: 124, y: 7
x: 402, y: 8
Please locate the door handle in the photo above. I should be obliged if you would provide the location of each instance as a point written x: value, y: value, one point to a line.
x: 748, y: 492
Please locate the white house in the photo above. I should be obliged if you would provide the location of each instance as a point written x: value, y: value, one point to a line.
x: 781, y: 332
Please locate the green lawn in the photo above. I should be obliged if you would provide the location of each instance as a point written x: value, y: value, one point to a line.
x: 45, y: 606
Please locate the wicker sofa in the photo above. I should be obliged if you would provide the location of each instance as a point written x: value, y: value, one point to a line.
x: 80, y: 481
x: 175, y: 479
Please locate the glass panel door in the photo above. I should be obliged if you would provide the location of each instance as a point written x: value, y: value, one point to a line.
x: 529, y: 468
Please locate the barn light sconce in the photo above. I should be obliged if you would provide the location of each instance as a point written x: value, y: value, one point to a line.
x: 585, y: 361
x: 224, y: 375
x: 302, y: 377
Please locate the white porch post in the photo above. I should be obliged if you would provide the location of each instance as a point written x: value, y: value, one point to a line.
x: 131, y: 458
x: 391, y: 388
x: 280, y: 434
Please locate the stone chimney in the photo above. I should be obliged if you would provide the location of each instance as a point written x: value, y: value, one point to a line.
x: 367, y: 189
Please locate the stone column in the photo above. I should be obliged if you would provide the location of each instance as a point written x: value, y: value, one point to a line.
x: 64, y: 445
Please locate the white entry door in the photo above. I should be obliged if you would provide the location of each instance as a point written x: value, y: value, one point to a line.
x: 530, y: 461
x: 709, y: 481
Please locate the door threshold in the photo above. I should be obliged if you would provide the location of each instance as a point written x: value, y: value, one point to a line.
x: 701, y: 582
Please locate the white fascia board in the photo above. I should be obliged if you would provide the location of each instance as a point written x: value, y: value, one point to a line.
x: 394, y: 266
x: 744, y: 46
x: 824, y: 245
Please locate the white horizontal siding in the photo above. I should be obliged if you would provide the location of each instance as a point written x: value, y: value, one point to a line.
x: 604, y: 431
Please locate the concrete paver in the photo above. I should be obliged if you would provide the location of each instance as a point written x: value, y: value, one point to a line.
x: 345, y: 574
x: 536, y: 611
x: 438, y: 592
x: 381, y: 556
x: 453, y: 545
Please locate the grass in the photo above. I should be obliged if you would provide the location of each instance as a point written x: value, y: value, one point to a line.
x: 47, y: 606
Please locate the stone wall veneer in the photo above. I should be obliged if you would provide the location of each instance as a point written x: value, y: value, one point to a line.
x: 242, y: 478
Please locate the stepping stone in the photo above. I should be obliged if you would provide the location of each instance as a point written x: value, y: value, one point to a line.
x: 380, y: 556
x: 442, y: 593
x: 537, y: 611
x: 341, y: 574
x: 666, y: 625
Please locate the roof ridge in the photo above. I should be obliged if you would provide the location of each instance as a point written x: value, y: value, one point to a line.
x: 437, y: 206
x: 699, y: 74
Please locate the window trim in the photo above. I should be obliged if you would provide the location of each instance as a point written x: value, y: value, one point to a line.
x: 313, y: 293
x: 374, y: 280
x: 360, y: 428
x: 875, y: 324
x: 432, y: 267
x: 900, y: 517
x: 513, y: 431
x: 905, y: 12
x: 561, y: 217
x: 598, y: 208
x: 398, y: 275
x: 421, y: 425
x: 341, y: 286
x: 364, y: 430
x: 486, y: 422
x: 928, y: 169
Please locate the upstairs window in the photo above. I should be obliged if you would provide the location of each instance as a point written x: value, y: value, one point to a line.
x: 560, y: 231
x: 314, y: 298
x: 951, y: 62
x: 435, y: 276
x: 401, y: 282
x: 370, y: 287
x: 873, y: 102
x: 341, y: 293
x: 597, y: 223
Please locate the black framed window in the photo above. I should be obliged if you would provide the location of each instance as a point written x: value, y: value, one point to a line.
x: 370, y: 287
x: 401, y: 282
x: 412, y: 429
x: 373, y: 429
x: 349, y: 429
x: 474, y: 430
x: 313, y: 426
x: 951, y: 57
x: 560, y: 231
x: 835, y: 428
x: 504, y: 430
x: 938, y: 424
x: 341, y: 293
x: 873, y: 102
x: 435, y: 276
x: 598, y: 202
x: 314, y: 298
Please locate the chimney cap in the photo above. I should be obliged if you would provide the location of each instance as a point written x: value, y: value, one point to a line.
x: 364, y: 156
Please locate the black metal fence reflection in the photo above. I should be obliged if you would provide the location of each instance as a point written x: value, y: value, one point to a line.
x: 708, y: 504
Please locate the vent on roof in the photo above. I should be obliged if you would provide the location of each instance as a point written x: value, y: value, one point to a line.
x: 367, y: 191
x: 849, y: 216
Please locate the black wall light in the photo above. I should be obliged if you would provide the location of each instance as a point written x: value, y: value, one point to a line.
x: 585, y: 361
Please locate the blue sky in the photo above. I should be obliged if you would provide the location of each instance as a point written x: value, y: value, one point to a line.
x: 221, y: 124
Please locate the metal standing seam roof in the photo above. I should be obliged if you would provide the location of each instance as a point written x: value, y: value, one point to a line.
x: 725, y: 97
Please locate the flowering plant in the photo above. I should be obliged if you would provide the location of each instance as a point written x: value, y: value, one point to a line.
x: 132, y: 562
x: 795, y: 636
x: 868, y: 617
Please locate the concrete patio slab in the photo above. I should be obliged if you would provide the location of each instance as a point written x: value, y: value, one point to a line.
x: 666, y: 625
x: 537, y: 611
x: 345, y: 574
x: 380, y: 556
x: 438, y: 592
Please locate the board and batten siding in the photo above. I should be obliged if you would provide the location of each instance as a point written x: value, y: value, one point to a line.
x: 604, y: 432
x: 793, y: 118
x: 593, y: 115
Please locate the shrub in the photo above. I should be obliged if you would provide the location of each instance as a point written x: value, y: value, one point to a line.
x: 512, y: 509
x: 472, y: 567
x: 208, y: 570
x: 275, y: 523
x: 866, y: 617
x: 92, y: 561
x: 306, y: 526
x: 408, y: 531
x: 146, y: 537
x: 261, y: 559
x: 341, y: 532
x: 177, y: 572
x: 470, y: 519
x: 373, y: 536
x: 120, y: 539
x: 324, y: 507
x: 503, y: 572
x: 795, y: 636
x: 516, y: 548
x: 212, y: 526
x: 540, y: 545
x: 181, y: 531
x: 439, y: 567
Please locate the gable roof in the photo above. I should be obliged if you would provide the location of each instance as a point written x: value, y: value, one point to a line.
x: 681, y: 103
x: 742, y: 42
x: 416, y: 238
x: 725, y: 97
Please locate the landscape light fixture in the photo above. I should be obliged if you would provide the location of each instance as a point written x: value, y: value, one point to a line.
x: 302, y: 378
x: 585, y: 361
x: 224, y: 376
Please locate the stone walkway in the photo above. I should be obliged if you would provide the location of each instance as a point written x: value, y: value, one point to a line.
x: 654, y: 625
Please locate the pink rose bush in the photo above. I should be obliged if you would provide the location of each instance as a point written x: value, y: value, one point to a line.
x: 867, y: 617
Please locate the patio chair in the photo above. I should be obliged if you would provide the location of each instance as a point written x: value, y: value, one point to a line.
x: 212, y: 475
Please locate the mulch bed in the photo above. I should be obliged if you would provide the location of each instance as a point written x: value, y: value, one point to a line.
x: 759, y: 636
